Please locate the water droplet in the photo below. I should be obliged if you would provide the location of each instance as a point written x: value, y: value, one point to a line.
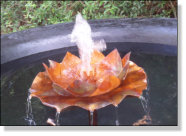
x: 29, y: 116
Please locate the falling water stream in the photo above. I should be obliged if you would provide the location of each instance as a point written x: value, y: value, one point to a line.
x: 57, y: 119
x: 145, y: 103
x: 146, y: 120
x: 29, y: 116
x: 117, y: 116
x: 91, y: 118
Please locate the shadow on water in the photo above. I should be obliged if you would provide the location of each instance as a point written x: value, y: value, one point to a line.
x: 160, y: 104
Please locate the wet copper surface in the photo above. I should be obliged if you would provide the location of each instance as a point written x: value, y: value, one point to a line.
x: 110, y: 80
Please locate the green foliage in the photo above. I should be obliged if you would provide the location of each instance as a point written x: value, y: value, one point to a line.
x: 20, y: 15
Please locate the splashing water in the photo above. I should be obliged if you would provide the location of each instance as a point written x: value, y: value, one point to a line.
x: 56, y: 121
x: 51, y: 122
x: 81, y: 35
x: 29, y: 116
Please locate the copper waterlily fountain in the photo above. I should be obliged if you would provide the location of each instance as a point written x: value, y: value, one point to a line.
x: 109, y: 80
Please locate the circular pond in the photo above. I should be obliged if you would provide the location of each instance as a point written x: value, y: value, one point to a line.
x: 158, y: 57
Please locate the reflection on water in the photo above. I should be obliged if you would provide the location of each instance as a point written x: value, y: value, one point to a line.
x: 162, y: 76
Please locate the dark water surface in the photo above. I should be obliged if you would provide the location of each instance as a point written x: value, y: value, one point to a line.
x: 162, y: 77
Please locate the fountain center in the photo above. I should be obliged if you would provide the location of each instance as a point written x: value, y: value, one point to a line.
x: 81, y: 35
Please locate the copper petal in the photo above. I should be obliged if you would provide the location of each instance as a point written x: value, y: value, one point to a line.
x: 136, y: 79
x: 96, y: 57
x: 42, y: 85
x: 111, y: 65
x: 126, y: 59
x: 82, y: 88
x: 70, y: 61
x: 65, y: 73
x: 89, y: 103
x: 109, y: 83
x: 69, y: 69
x: 125, y: 63
x: 54, y: 70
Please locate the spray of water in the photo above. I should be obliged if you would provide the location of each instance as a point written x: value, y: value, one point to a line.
x: 81, y: 35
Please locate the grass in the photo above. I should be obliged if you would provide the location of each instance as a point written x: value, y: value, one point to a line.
x: 20, y: 15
